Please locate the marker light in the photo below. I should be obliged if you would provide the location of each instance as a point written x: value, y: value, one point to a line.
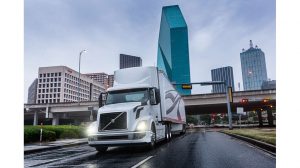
x: 142, y: 126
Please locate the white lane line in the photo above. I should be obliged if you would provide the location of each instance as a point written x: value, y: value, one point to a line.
x: 141, y: 162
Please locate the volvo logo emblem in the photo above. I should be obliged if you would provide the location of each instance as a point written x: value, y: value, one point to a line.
x: 112, y: 121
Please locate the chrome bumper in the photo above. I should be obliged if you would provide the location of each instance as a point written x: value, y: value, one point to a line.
x: 119, y: 138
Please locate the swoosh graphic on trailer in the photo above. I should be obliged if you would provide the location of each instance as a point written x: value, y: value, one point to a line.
x: 173, y: 105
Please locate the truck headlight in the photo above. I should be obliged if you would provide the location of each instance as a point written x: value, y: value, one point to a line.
x: 142, y: 126
x: 92, y: 129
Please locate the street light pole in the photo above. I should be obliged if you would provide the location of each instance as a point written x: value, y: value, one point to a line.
x: 228, y: 107
x: 79, y: 75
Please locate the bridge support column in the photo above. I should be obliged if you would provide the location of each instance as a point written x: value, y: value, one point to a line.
x: 35, y: 118
x: 55, y: 120
x: 270, y: 117
x: 259, y: 118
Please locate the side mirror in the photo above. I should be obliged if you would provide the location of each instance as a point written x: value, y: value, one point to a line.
x: 154, y: 96
x: 102, y: 99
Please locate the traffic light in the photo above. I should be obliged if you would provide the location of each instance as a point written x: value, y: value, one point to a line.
x: 266, y: 100
x: 244, y: 101
x: 186, y: 86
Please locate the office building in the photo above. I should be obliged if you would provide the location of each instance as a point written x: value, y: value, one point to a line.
x: 110, y: 80
x: 270, y: 84
x: 32, y: 92
x: 222, y: 74
x: 100, y: 77
x: 173, y: 48
x: 128, y: 61
x: 254, y: 69
x: 60, y: 84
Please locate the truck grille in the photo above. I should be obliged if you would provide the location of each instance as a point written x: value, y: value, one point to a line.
x: 110, y: 121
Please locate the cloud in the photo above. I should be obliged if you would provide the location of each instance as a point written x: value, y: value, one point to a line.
x: 56, y: 31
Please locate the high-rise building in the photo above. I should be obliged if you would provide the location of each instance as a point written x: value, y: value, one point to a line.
x: 110, y: 80
x: 32, y: 92
x: 60, y: 84
x: 173, y: 48
x: 254, y: 69
x: 222, y: 74
x: 270, y: 84
x: 100, y: 77
x: 128, y: 61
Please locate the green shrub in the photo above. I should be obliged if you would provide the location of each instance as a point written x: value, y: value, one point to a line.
x: 32, y: 133
x: 69, y: 134
x: 48, y: 136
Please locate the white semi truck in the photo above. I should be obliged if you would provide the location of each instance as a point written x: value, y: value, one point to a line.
x: 142, y: 107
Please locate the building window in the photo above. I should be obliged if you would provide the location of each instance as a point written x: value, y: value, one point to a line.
x: 48, y: 74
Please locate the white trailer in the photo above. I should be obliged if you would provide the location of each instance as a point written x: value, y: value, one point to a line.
x: 141, y: 108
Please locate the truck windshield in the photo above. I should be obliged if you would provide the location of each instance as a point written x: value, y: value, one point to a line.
x: 131, y: 95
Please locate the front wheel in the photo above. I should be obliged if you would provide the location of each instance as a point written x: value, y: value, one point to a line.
x: 153, y: 137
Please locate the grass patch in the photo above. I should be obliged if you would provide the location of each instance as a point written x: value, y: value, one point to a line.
x: 53, y: 132
x: 265, y: 135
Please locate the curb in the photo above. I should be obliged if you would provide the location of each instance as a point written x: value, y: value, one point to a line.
x: 30, y: 151
x: 263, y: 145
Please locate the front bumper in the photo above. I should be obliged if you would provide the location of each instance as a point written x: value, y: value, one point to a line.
x: 119, y: 138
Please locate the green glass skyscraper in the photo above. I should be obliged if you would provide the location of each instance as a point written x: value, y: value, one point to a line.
x: 173, y: 47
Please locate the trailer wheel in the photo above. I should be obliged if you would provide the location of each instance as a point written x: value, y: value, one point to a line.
x: 167, y: 136
x: 101, y: 149
x: 170, y: 131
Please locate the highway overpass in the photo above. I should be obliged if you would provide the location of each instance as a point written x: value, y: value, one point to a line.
x: 257, y: 100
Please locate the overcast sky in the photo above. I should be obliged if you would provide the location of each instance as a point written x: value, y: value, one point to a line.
x: 57, y: 30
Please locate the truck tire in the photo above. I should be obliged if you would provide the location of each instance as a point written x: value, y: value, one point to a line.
x: 170, y: 132
x: 153, y: 137
x: 167, y: 136
x: 101, y: 149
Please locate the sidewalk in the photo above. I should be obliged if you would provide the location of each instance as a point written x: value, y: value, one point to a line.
x: 38, y: 147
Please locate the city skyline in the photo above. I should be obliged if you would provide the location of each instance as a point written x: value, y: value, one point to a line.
x: 215, y: 38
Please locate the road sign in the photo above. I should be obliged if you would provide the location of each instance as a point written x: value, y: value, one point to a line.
x: 240, y: 110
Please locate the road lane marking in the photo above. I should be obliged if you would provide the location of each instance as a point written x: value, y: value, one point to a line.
x: 141, y: 162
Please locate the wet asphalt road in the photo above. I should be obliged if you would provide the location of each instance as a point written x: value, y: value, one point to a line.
x: 194, y: 149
